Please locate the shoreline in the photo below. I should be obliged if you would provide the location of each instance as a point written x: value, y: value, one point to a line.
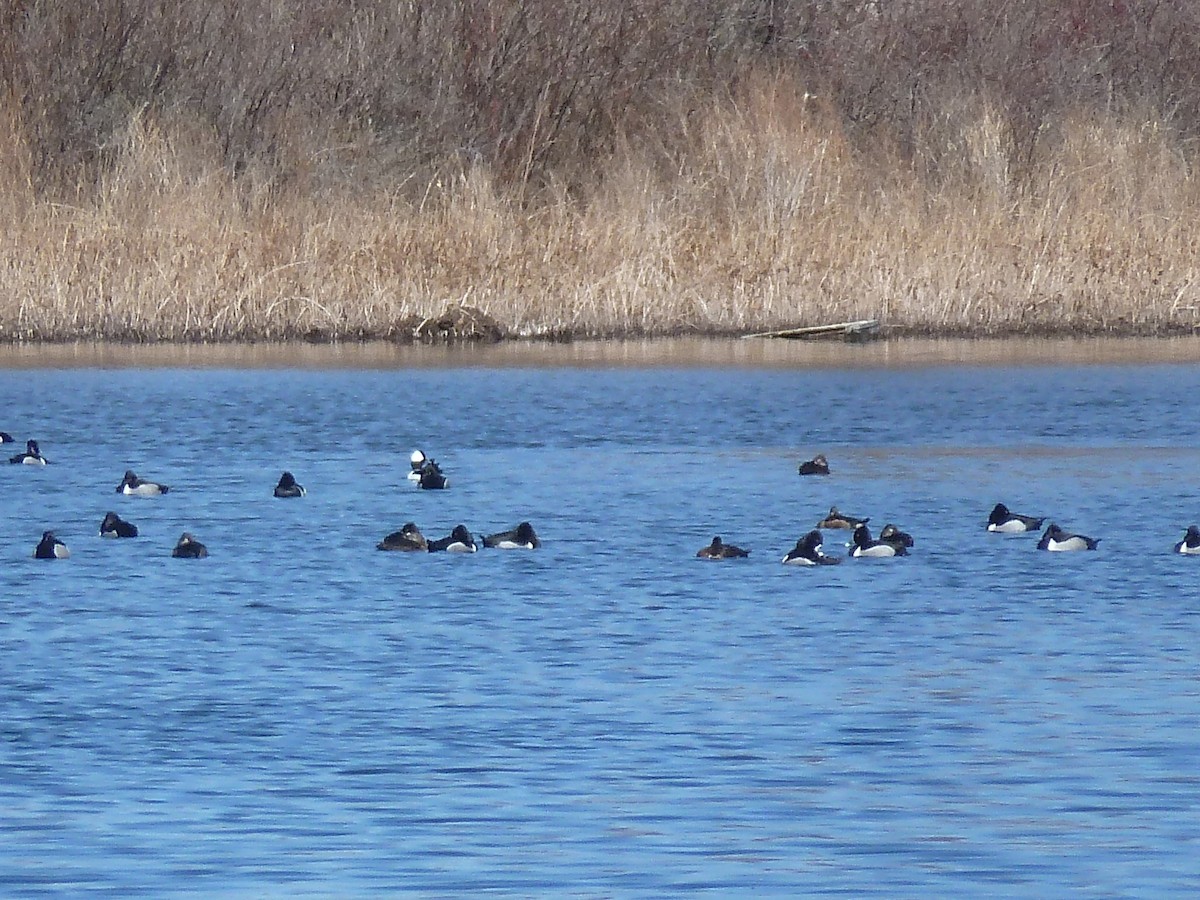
x: 680, y: 352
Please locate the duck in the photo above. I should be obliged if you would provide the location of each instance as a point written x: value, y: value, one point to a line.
x: 1003, y: 521
x: 719, y: 550
x: 417, y: 461
x: 864, y: 545
x: 51, y: 547
x: 114, y: 526
x: 1057, y: 540
x: 815, y: 466
x: 31, y: 457
x: 1190, y: 545
x: 459, y: 541
x: 6, y: 438
x: 189, y: 548
x: 807, y: 552
x: 432, y: 478
x: 288, y: 487
x: 409, y: 538
x: 836, y: 519
x: 523, y: 537
x: 138, y: 487
x: 893, y: 535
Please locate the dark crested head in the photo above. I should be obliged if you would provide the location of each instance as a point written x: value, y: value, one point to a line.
x: 32, y: 447
x: 895, y: 535
x: 431, y: 475
x: 110, y: 521
x: 410, y: 528
x: 811, y: 542
x: 460, y: 533
x: 999, y: 514
x: 525, y: 533
x: 287, y: 480
x: 1193, y: 532
x: 818, y: 465
x: 716, y: 541
x: 862, y: 535
x: 48, y: 537
x: 189, y: 548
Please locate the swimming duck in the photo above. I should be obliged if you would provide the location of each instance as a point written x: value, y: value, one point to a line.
x: 459, y: 541
x: 893, y: 535
x: 288, y: 487
x: 1190, y: 545
x: 1057, y: 540
x: 432, y: 478
x: 815, y: 466
x: 51, y: 547
x: 6, y: 438
x: 864, y: 546
x: 114, y: 526
x: 189, y: 548
x: 31, y: 457
x: 523, y: 537
x: 417, y: 461
x: 836, y: 519
x: 138, y: 487
x: 409, y: 537
x: 807, y: 552
x: 719, y: 550
x: 1005, y: 522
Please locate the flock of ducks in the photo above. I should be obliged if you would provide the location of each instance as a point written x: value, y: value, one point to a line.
x: 894, y: 542
x: 425, y: 473
x: 428, y: 475
x: 112, y: 526
x: 807, y: 552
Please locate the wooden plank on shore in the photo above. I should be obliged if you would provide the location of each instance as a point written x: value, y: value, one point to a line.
x: 848, y: 330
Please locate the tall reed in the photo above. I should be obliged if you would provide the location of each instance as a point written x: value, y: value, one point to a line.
x: 271, y: 171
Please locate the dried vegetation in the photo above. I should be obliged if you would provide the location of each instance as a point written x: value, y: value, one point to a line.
x: 261, y: 170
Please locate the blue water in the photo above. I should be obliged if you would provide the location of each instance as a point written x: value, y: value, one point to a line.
x: 607, y: 716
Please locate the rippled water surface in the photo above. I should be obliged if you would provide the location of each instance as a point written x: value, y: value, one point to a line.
x: 301, y: 714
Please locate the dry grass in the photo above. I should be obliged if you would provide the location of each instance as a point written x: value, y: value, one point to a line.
x: 710, y: 193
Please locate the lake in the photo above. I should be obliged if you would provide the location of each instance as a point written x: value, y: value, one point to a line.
x: 300, y: 714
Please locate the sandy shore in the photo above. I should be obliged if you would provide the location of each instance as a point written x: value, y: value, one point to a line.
x: 677, y: 352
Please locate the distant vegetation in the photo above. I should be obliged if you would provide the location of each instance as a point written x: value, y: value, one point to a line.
x: 254, y: 169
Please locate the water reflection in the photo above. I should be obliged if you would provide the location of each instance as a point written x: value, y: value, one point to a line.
x: 671, y: 352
